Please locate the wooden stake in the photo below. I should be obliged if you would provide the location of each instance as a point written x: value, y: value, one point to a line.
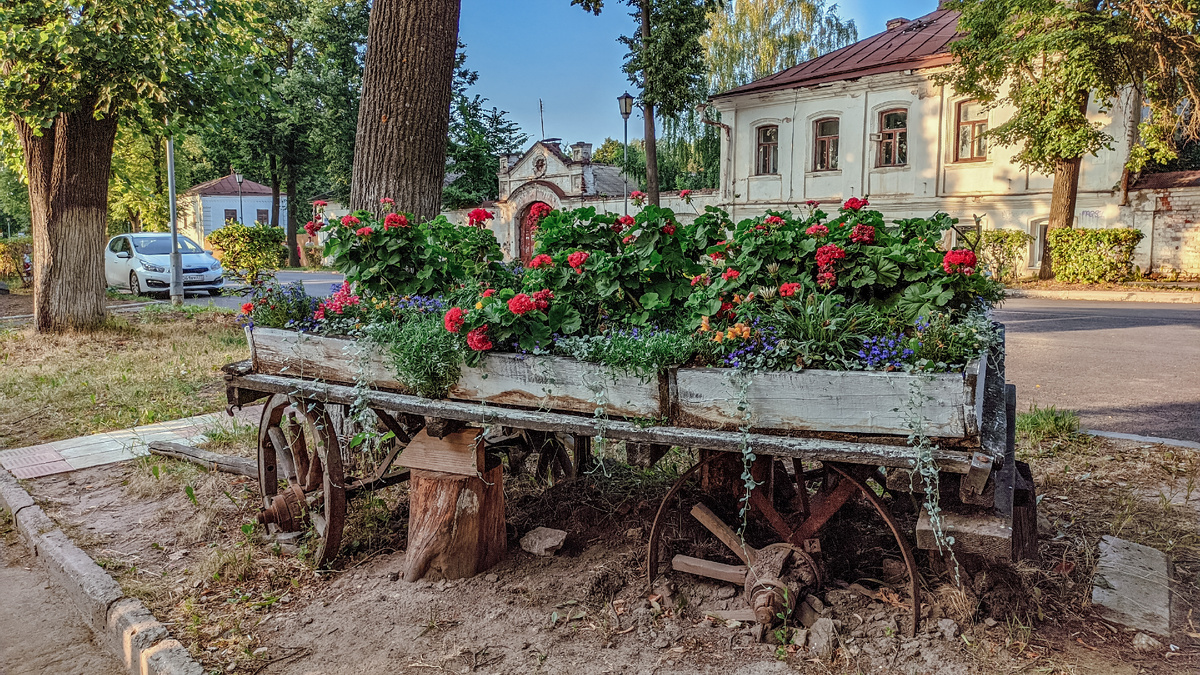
x: 456, y: 524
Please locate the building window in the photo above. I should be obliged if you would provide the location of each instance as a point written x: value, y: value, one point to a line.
x: 231, y: 215
x: 893, y: 138
x: 972, y: 123
x: 262, y: 216
x: 768, y: 151
x: 826, y: 144
x: 1037, y: 242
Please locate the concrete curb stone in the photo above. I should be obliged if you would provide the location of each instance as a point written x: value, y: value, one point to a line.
x: 1166, y: 297
x: 122, y: 625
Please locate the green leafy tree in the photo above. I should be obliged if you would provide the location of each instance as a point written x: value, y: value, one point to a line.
x: 69, y: 73
x: 14, y: 203
x: 609, y: 152
x: 1048, y: 59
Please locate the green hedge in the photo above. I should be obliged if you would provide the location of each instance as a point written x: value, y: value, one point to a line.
x: 12, y: 255
x: 1001, y: 251
x: 249, y: 251
x: 1093, y: 256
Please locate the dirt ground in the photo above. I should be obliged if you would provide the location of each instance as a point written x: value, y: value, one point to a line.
x: 184, y: 541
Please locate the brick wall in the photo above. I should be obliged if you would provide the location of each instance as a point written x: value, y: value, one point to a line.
x: 1174, y: 229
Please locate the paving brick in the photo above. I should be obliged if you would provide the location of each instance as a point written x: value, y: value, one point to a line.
x: 132, y: 630
x: 169, y: 657
x: 88, y: 586
x: 39, y: 470
x: 13, y: 497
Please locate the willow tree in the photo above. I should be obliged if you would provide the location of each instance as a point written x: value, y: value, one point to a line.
x: 1048, y: 59
x: 750, y: 39
x: 70, y: 70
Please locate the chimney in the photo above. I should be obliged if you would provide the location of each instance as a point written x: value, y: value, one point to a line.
x: 896, y: 23
x: 581, y: 152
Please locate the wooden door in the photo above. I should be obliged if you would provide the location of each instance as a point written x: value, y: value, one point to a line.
x: 528, y: 227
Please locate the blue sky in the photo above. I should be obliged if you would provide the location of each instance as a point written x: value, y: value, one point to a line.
x: 526, y: 49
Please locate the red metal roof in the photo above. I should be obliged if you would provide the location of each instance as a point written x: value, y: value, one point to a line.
x: 227, y: 186
x: 920, y: 43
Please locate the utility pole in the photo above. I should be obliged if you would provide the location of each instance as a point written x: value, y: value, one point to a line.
x: 176, y: 259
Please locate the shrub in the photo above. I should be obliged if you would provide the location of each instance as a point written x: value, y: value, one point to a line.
x: 312, y: 255
x: 12, y: 255
x: 1001, y: 251
x: 249, y: 251
x: 1093, y: 256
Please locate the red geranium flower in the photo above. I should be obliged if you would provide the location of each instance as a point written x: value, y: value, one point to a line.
x: 387, y: 200
x: 453, y: 321
x: 862, y: 234
x: 788, y: 290
x: 812, y: 203
x: 312, y: 228
x: 716, y: 256
x: 686, y: 195
x: 577, y: 259
x: 629, y: 239
x: 701, y: 279
x: 521, y: 304
x: 827, y: 254
x: 540, y: 210
x: 541, y: 260
x: 478, y: 339
x: 669, y: 228
x: 478, y: 217
x: 489, y: 292
x: 854, y: 204
x: 320, y: 203
x: 542, y: 298
x: 960, y: 260
x: 364, y: 231
x: 826, y: 279
x: 817, y: 230
x: 247, y: 308
x: 773, y: 220
x: 350, y: 221
x: 638, y: 197
x: 394, y: 220
x: 731, y: 274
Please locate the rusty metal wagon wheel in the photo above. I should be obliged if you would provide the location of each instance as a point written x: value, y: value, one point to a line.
x: 792, y: 561
x: 300, y: 473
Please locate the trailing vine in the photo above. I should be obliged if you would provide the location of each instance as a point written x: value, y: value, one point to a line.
x: 742, y: 378
x: 924, y: 463
x: 594, y: 380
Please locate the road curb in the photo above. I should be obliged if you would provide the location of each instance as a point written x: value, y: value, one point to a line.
x: 122, y: 625
x: 1145, y: 439
x: 1166, y: 297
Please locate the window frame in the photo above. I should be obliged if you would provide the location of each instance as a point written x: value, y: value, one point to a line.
x: 227, y: 218
x: 262, y: 216
x: 892, y: 136
x: 975, y: 134
x: 817, y: 149
x: 759, y: 145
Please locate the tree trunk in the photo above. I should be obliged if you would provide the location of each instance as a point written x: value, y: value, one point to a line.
x: 1062, y: 200
x: 648, y: 114
x: 293, y: 252
x: 274, y: 164
x: 456, y: 524
x: 404, y: 115
x: 69, y: 167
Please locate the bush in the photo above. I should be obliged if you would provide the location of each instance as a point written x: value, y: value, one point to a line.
x: 1093, y: 256
x: 12, y: 255
x: 1001, y: 251
x: 249, y: 251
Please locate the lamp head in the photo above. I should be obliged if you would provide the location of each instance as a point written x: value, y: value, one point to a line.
x: 625, y: 101
x: 238, y: 178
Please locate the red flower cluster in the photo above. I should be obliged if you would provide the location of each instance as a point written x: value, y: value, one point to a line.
x: 623, y: 223
x: 312, y: 228
x: 774, y: 220
x: 350, y: 221
x: 638, y: 197
x: 686, y: 195
x: 629, y: 239
x: 826, y: 256
x: 817, y: 230
x: 320, y: 202
x: 826, y: 279
x: 854, y: 204
x: 364, y: 231
x: 701, y: 279
x: 338, y: 302
x: 960, y: 260
x: 453, y: 321
x: 716, y: 256
x: 478, y: 217
x: 577, y: 259
x: 539, y: 210
x: 542, y: 298
x: 541, y: 260
x: 247, y: 308
x: 669, y: 228
x: 489, y: 292
x: 812, y: 203
x: 392, y: 220
x: 478, y: 339
x: 387, y: 200
x: 521, y: 304
x: 730, y: 274
x: 788, y: 290
x: 862, y: 234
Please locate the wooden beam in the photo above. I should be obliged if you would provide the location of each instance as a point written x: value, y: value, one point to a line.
x: 725, y: 533
x: 824, y: 505
x: 734, y: 574
x: 206, y: 459
x: 685, y: 437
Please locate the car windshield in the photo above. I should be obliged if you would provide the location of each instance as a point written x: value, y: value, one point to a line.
x: 162, y: 245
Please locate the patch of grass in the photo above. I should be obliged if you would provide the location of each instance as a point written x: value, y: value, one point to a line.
x: 232, y: 437
x: 156, y: 477
x: 1040, y: 425
x: 150, y: 367
x: 230, y: 564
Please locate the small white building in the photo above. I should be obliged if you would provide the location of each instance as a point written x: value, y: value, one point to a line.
x: 209, y: 206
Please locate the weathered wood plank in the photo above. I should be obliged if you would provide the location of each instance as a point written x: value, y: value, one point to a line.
x: 557, y: 383
x: 877, y: 454
x: 285, y: 352
x: 457, y: 453
x: 982, y: 534
x: 206, y: 459
x: 824, y: 400
x: 735, y: 574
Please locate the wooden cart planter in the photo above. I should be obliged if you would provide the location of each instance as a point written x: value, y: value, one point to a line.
x: 853, y: 423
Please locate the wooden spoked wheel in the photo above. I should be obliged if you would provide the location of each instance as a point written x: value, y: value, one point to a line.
x: 300, y: 473
x: 792, y: 517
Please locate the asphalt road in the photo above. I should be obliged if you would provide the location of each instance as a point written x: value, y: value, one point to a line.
x: 315, y: 283
x: 1129, y: 367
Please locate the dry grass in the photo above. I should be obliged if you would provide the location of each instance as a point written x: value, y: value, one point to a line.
x: 153, y: 366
x: 229, y: 436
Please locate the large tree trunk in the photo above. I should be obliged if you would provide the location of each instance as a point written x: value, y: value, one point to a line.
x: 648, y: 114
x: 1062, y: 200
x: 69, y: 167
x: 274, y: 164
x: 404, y: 115
x: 293, y: 182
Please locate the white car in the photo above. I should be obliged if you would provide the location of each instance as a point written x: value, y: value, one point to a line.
x: 142, y: 263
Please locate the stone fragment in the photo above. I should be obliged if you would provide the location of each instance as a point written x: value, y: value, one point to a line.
x: 1132, y: 586
x: 815, y: 602
x: 726, y: 592
x: 491, y: 578
x: 948, y: 628
x: 1145, y: 643
x: 800, y: 637
x: 821, y: 638
x: 543, y: 541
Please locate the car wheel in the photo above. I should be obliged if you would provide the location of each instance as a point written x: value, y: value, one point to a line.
x: 214, y: 292
x: 135, y: 288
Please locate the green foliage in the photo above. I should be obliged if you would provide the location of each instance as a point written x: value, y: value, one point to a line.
x: 641, y: 352
x: 249, y: 251
x: 424, y: 356
x: 668, y: 64
x: 942, y: 342
x: 276, y: 305
x: 1093, y: 256
x: 14, y: 202
x: 822, y: 331
x: 12, y: 255
x: 1042, y: 424
x: 1001, y: 251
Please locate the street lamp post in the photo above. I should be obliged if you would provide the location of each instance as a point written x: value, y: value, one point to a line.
x: 625, y: 101
x: 241, y: 206
x: 176, y: 259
